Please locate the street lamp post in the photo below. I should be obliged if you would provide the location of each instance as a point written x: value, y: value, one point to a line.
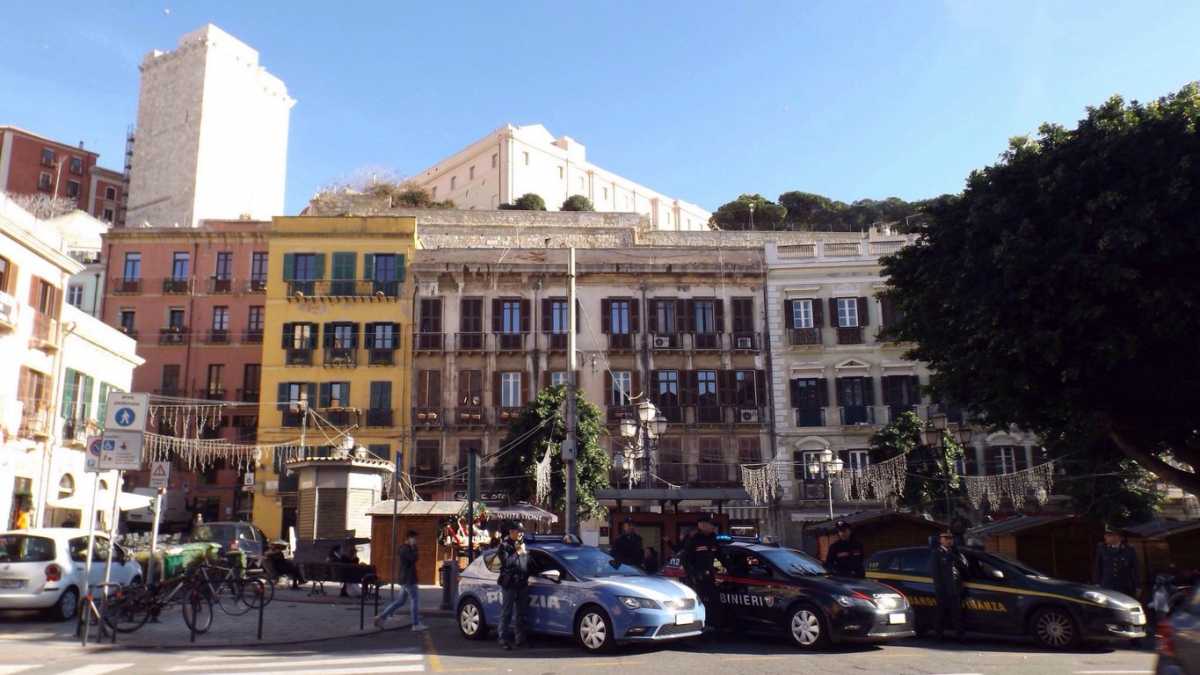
x: 935, y: 437
x: 641, y: 434
x: 828, y: 465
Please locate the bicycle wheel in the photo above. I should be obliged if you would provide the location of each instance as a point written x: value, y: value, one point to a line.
x: 129, y: 611
x: 230, y: 595
x: 250, y: 595
x: 198, y: 611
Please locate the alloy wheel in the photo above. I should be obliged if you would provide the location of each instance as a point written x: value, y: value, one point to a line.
x: 593, y: 631
x: 468, y: 619
x: 806, y: 628
x: 1054, y: 628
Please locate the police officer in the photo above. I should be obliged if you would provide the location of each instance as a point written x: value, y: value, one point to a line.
x: 845, y: 556
x: 698, y: 557
x: 948, y: 567
x: 627, y: 549
x: 1116, y: 566
x: 514, y: 586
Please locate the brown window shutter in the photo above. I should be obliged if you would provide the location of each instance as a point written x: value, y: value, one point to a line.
x: 525, y: 377
x: 681, y: 318
x: 719, y: 312
x: 35, y: 284
x: 654, y: 386
x: 437, y: 316
x: 760, y: 387
x: 864, y: 312
x: 605, y: 319
x: 608, y: 387
x: 526, y: 317
x: 889, y: 383
x: 25, y: 384
x: 726, y: 391
x: 635, y: 316
x: 689, y: 311
x: 832, y: 313
x: 818, y: 312
x: 496, y: 316
x: 496, y: 388
x: 652, y: 316
x: 635, y: 383
x: 823, y: 392
x: 687, y: 387
x: 789, y: 314
x: 886, y: 317
x: 435, y: 389
x: 546, y: 324
x: 794, y: 390
x: 838, y: 389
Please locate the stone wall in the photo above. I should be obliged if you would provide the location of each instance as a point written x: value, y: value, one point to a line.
x: 439, y: 236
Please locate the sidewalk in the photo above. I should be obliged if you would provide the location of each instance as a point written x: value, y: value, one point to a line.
x: 292, y: 617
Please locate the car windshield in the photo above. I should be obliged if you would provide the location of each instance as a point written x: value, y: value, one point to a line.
x: 590, y: 563
x: 221, y: 534
x: 794, y: 562
x: 22, y: 548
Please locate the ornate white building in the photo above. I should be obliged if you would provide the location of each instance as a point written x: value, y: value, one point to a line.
x: 512, y: 161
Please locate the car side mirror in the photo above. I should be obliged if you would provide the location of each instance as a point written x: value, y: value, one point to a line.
x: 552, y: 575
x: 996, y: 574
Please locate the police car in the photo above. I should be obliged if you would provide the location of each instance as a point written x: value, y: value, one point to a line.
x: 581, y: 591
x: 1005, y: 597
x: 770, y: 589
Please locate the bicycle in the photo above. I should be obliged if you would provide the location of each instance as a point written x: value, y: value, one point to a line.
x: 133, y: 606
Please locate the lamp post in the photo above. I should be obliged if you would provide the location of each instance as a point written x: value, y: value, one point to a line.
x: 641, y: 434
x: 935, y: 437
x: 827, y: 465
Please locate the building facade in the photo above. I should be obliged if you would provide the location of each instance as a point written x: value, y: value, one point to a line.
x: 194, y: 299
x: 512, y: 161
x: 31, y: 164
x: 336, y: 349
x: 211, y: 135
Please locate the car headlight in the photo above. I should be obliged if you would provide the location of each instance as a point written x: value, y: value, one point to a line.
x: 1096, y: 597
x: 631, y: 602
x: 856, y: 600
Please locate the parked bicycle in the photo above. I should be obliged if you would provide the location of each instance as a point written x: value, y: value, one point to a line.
x: 130, y: 609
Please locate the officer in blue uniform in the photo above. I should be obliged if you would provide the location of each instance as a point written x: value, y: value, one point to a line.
x: 514, y: 586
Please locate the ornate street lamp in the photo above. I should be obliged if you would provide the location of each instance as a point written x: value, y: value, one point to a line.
x: 641, y: 434
x: 828, y: 465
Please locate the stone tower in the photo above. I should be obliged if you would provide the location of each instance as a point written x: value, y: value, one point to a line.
x: 211, y: 136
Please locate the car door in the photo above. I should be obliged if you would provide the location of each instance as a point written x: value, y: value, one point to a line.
x: 909, y: 572
x: 988, y: 606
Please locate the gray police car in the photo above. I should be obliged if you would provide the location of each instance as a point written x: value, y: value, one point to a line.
x: 580, y: 591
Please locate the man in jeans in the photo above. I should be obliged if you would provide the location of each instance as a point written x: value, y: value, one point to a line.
x: 407, y: 554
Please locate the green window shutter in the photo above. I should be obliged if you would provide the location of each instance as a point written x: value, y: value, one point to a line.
x: 67, y: 411
x: 312, y: 392
x: 289, y: 266
x: 102, y: 403
x: 343, y: 265
x: 319, y: 266
x: 346, y: 394
x: 326, y: 394
x: 400, y: 267
x: 368, y: 266
x: 86, y: 398
x: 281, y: 396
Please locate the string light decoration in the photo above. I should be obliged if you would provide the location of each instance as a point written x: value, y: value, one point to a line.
x: 542, y: 474
x: 761, y: 482
x: 188, y: 419
x: 882, y: 480
x: 1016, y: 486
x: 199, y: 454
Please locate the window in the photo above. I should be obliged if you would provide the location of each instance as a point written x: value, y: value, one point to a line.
x: 748, y: 450
x: 45, y: 181
x: 856, y: 396
x: 706, y: 317
x: 510, y: 390
x: 711, y: 451
x: 133, y: 266
x: 175, y: 319
x: 75, y: 295
x: 301, y: 336
x: 44, y: 297
x: 255, y: 319
x: 110, y: 193
x: 108, y: 216
x: 305, y: 267
x: 216, y: 377
x: 706, y: 388
x: 335, y: 395
x: 856, y: 461
x: 622, y: 388
x: 745, y: 388
x: 664, y: 317
x: 383, y: 336
x: 387, y: 267
x: 428, y: 461
x: 470, y: 388
x: 429, y: 388
x: 558, y: 377
x: 808, y: 398
x: 847, y: 312
x: 743, y: 315
x: 127, y: 320
x: 381, y: 396
x: 47, y: 157
x: 7, y: 278
x: 558, y: 317
x: 618, y: 317
x: 72, y: 188
x: 526, y: 157
x: 258, y: 267
x: 224, y: 269
x: 343, y: 336
x: 297, y: 392
x: 453, y: 182
x: 471, y: 315
x: 1004, y: 459
x: 75, y: 166
x: 802, y: 314
x: 179, y: 265
x: 430, y: 316
x: 510, y: 316
x: 170, y: 378
x: 102, y: 400
x: 220, y: 318
x: 251, y: 376
x: 495, y: 159
x: 471, y: 173
x: 666, y: 388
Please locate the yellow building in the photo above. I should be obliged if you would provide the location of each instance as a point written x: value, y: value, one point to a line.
x: 336, y: 342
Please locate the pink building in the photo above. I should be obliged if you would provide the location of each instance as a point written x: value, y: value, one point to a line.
x: 194, y: 301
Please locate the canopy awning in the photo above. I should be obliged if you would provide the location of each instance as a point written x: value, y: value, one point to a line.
x: 126, y: 501
x: 522, y: 511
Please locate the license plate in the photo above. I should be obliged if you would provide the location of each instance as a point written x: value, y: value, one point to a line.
x: 897, y: 618
x: 685, y: 619
x: 12, y: 583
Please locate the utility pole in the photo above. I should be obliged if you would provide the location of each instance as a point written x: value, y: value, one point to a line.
x: 570, y: 443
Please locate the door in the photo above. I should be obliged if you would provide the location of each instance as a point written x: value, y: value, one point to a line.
x: 909, y: 572
x: 744, y: 589
x: 987, y: 608
x: 551, y: 605
x: 78, y: 547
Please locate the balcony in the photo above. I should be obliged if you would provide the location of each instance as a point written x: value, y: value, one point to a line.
x: 427, y: 417
x: 804, y: 337
x: 256, y: 286
x: 470, y: 416
x: 212, y: 393
x: 716, y: 475
x: 172, y: 286
x: 858, y: 415
x: 675, y: 473
x: 511, y: 342
x: 365, y: 289
x: 248, y: 395
x: 252, y: 337
x: 127, y: 286
x: 508, y: 414
x: 470, y: 342
x: 666, y: 342
x: 35, y: 419
x: 895, y: 410
x: 170, y: 390
x: 556, y: 342
x: 45, y: 333
x: 380, y: 417
x: 9, y: 312
x: 706, y: 342
x: 298, y: 357
x: 811, y: 417
x: 621, y: 342
x: 217, y: 337
x: 172, y: 335
x: 341, y: 357
x: 429, y: 342
x: 342, y: 417
x: 291, y: 419
x: 616, y: 413
x: 850, y: 336
x: 220, y: 285
x: 747, y: 342
x: 749, y: 415
x: 129, y: 332
x: 381, y: 357
x: 75, y: 432
x: 673, y: 413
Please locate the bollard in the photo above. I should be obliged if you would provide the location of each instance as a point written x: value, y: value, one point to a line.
x: 449, y: 583
x: 260, y: 589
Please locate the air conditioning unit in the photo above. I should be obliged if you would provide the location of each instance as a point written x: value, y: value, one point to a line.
x: 662, y: 342
x: 745, y: 343
x: 748, y: 415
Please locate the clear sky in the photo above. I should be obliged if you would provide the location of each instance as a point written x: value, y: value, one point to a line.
x: 699, y: 100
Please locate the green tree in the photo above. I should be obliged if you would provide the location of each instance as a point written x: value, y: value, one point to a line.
x: 1059, y: 292
x: 526, y: 202
x: 805, y: 209
x: 1104, y: 483
x: 735, y: 215
x: 591, y: 464
x: 933, y: 480
x: 577, y: 203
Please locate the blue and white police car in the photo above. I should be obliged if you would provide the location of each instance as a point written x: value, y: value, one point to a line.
x: 581, y: 591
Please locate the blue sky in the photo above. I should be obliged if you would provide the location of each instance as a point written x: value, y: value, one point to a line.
x: 702, y: 101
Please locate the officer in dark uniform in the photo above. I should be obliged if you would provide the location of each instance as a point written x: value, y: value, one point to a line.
x: 514, y: 586
x: 628, y: 549
x: 1116, y: 566
x: 845, y: 556
x: 948, y: 567
x: 698, y: 557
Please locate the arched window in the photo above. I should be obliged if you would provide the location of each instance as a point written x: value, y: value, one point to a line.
x: 66, y: 486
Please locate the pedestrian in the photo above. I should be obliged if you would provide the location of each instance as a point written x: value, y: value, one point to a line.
x: 1116, y: 565
x: 24, y: 517
x: 406, y: 553
x: 698, y: 557
x: 514, y: 586
x: 627, y: 549
x: 650, y: 564
x: 948, y: 566
x: 845, y: 555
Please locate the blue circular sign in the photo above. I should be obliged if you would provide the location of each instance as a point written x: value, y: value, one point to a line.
x: 125, y: 417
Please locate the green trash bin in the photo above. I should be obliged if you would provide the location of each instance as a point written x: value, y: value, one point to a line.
x: 178, y: 558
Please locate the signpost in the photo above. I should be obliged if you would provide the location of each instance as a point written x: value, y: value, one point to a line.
x: 160, y: 478
x: 124, y: 425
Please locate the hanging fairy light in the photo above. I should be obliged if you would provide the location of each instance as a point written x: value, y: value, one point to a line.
x: 1016, y: 486
x: 761, y: 483
x: 881, y: 481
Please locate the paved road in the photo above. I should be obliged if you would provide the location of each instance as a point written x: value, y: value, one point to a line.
x: 442, y: 650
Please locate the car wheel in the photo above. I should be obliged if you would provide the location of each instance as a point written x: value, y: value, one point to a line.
x: 470, y: 620
x: 67, y: 605
x: 807, y: 628
x: 1054, y: 628
x: 594, y: 630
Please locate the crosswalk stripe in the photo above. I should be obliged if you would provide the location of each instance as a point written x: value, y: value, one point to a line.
x: 415, y: 668
x: 276, y: 661
x: 12, y: 669
x: 97, y: 669
x: 294, y: 657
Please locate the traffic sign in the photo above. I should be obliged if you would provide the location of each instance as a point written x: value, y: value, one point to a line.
x: 126, y: 412
x: 121, y: 450
x: 91, y: 460
x: 160, y: 474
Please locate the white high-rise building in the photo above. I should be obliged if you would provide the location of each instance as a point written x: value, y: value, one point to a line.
x: 211, y: 136
x: 512, y: 161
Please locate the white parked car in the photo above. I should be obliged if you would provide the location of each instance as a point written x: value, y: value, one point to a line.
x: 43, y: 568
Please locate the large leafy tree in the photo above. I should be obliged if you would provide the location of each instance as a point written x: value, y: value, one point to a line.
x: 1059, y: 291
x: 735, y: 215
x: 933, y: 485
x: 591, y: 461
x: 1103, y: 482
